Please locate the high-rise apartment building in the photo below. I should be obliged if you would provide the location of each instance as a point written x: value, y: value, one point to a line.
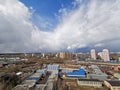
x: 64, y: 55
x: 105, y: 55
x: 93, y: 54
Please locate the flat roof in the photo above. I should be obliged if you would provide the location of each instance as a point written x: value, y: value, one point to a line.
x: 115, y: 83
x: 89, y: 80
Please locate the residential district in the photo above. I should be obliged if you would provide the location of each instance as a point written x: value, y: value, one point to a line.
x: 60, y: 71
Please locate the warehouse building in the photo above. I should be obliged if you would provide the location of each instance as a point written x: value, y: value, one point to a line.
x: 31, y: 81
x: 115, y: 85
x: 77, y: 74
x: 98, y: 74
x: 89, y: 82
x: 53, y: 68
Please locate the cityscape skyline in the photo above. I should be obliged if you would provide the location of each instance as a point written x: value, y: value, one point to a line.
x: 62, y: 25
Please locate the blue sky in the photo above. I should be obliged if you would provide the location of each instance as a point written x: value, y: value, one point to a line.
x: 47, y: 11
x: 47, y: 8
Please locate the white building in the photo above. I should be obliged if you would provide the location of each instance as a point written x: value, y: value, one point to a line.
x: 54, y: 69
x: 43, y: 55
x: 100, y: 54
x: 93, y: 54
x: 105, y: 55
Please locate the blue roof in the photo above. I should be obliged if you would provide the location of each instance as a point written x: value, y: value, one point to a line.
x: 80, y: 73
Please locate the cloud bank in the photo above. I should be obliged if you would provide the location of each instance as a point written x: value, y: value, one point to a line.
x: 93, y: 24
x: 15, y: 27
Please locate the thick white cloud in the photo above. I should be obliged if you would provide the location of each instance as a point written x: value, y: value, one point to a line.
x: 92, y: 24
x: 15, y: 27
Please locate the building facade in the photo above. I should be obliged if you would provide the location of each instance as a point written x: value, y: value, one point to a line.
x: 105, y: 55
x: 93, y: 54
x: 113, y: 85
x: 100, y: 54
x: 64, y: 55
x: 89, y: 82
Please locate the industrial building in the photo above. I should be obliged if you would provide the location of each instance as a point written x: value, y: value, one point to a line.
x: 53, y: 68
x: 77, y: 74
x: 113, y: 85
x: 32, y: 80
x: 98, y: 74
x: 89, y: 82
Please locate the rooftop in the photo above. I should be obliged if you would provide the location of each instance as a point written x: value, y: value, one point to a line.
x: 114, y: 83
x: 89, y: 80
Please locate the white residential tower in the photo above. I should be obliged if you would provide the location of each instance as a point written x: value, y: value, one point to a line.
x: 93, y: 54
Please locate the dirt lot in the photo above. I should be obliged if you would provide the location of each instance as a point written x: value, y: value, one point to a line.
x: 71, y: 84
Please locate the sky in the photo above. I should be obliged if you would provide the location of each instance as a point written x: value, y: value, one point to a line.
x: 59, y: 25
